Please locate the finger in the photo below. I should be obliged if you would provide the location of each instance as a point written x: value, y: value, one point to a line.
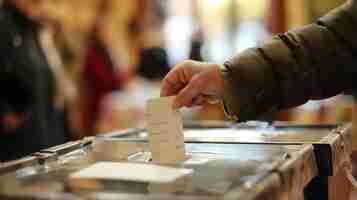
x: 192, y: 90
x: 176, y: 79
x: 171, y: 84
x: 170, y: 89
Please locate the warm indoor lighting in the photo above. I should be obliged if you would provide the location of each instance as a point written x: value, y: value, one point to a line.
x: 214, y: 3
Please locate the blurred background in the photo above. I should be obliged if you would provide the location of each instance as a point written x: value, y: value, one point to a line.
x: 110, y: 55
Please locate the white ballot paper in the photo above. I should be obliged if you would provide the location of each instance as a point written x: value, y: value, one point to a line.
x: 138, y: 172
x: 164, y: 124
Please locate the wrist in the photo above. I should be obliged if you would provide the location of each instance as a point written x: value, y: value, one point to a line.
x: 220, y: 80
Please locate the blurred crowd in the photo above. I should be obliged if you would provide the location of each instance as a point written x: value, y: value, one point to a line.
x: 61, y: 59
x: 83, y: 67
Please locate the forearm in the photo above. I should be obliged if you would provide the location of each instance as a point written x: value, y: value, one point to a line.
x: 313, y: 62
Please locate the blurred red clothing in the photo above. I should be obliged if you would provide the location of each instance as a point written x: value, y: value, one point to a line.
x: 99, y: 79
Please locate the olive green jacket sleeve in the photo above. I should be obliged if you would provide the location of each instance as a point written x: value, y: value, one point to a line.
x: 313, y: 62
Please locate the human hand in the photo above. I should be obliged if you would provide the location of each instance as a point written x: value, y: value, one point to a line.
x: 194, y: 83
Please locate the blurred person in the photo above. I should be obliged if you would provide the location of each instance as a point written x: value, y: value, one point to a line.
x: 197, y: 42
x: 153, y: 63
x: 99, y: 79
x: 313, y: 62
x: 29, y: 119
x: 126, y: 45
x: 153, y: 60
x: 108, y: 66
x: 198, y: 35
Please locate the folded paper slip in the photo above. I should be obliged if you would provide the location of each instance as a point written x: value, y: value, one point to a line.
x: 137, y: 172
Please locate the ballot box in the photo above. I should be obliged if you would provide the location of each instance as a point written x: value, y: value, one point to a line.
x: 331, y: 144
x: 227, y: 161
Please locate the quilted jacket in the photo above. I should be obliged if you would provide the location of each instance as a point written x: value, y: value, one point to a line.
x: 312, y: 62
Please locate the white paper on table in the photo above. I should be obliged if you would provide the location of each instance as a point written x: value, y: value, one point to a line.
x: 137, y: 172
x: 165, y: 128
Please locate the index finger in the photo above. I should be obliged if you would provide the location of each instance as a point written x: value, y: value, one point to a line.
x: 171, y: 84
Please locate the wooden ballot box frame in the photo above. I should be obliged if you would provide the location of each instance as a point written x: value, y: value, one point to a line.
x: 333, y: 156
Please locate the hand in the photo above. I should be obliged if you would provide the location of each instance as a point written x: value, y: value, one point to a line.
x: 194, y: 83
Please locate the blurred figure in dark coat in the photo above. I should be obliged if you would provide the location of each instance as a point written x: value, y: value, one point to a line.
x: 29, y: 121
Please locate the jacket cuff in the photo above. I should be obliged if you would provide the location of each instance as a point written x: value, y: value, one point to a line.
x: 249, y: 83
x: 230, y: 102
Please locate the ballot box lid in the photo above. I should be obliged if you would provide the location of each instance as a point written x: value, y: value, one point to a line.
x: 226, y: 132
x: 332, y: 142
